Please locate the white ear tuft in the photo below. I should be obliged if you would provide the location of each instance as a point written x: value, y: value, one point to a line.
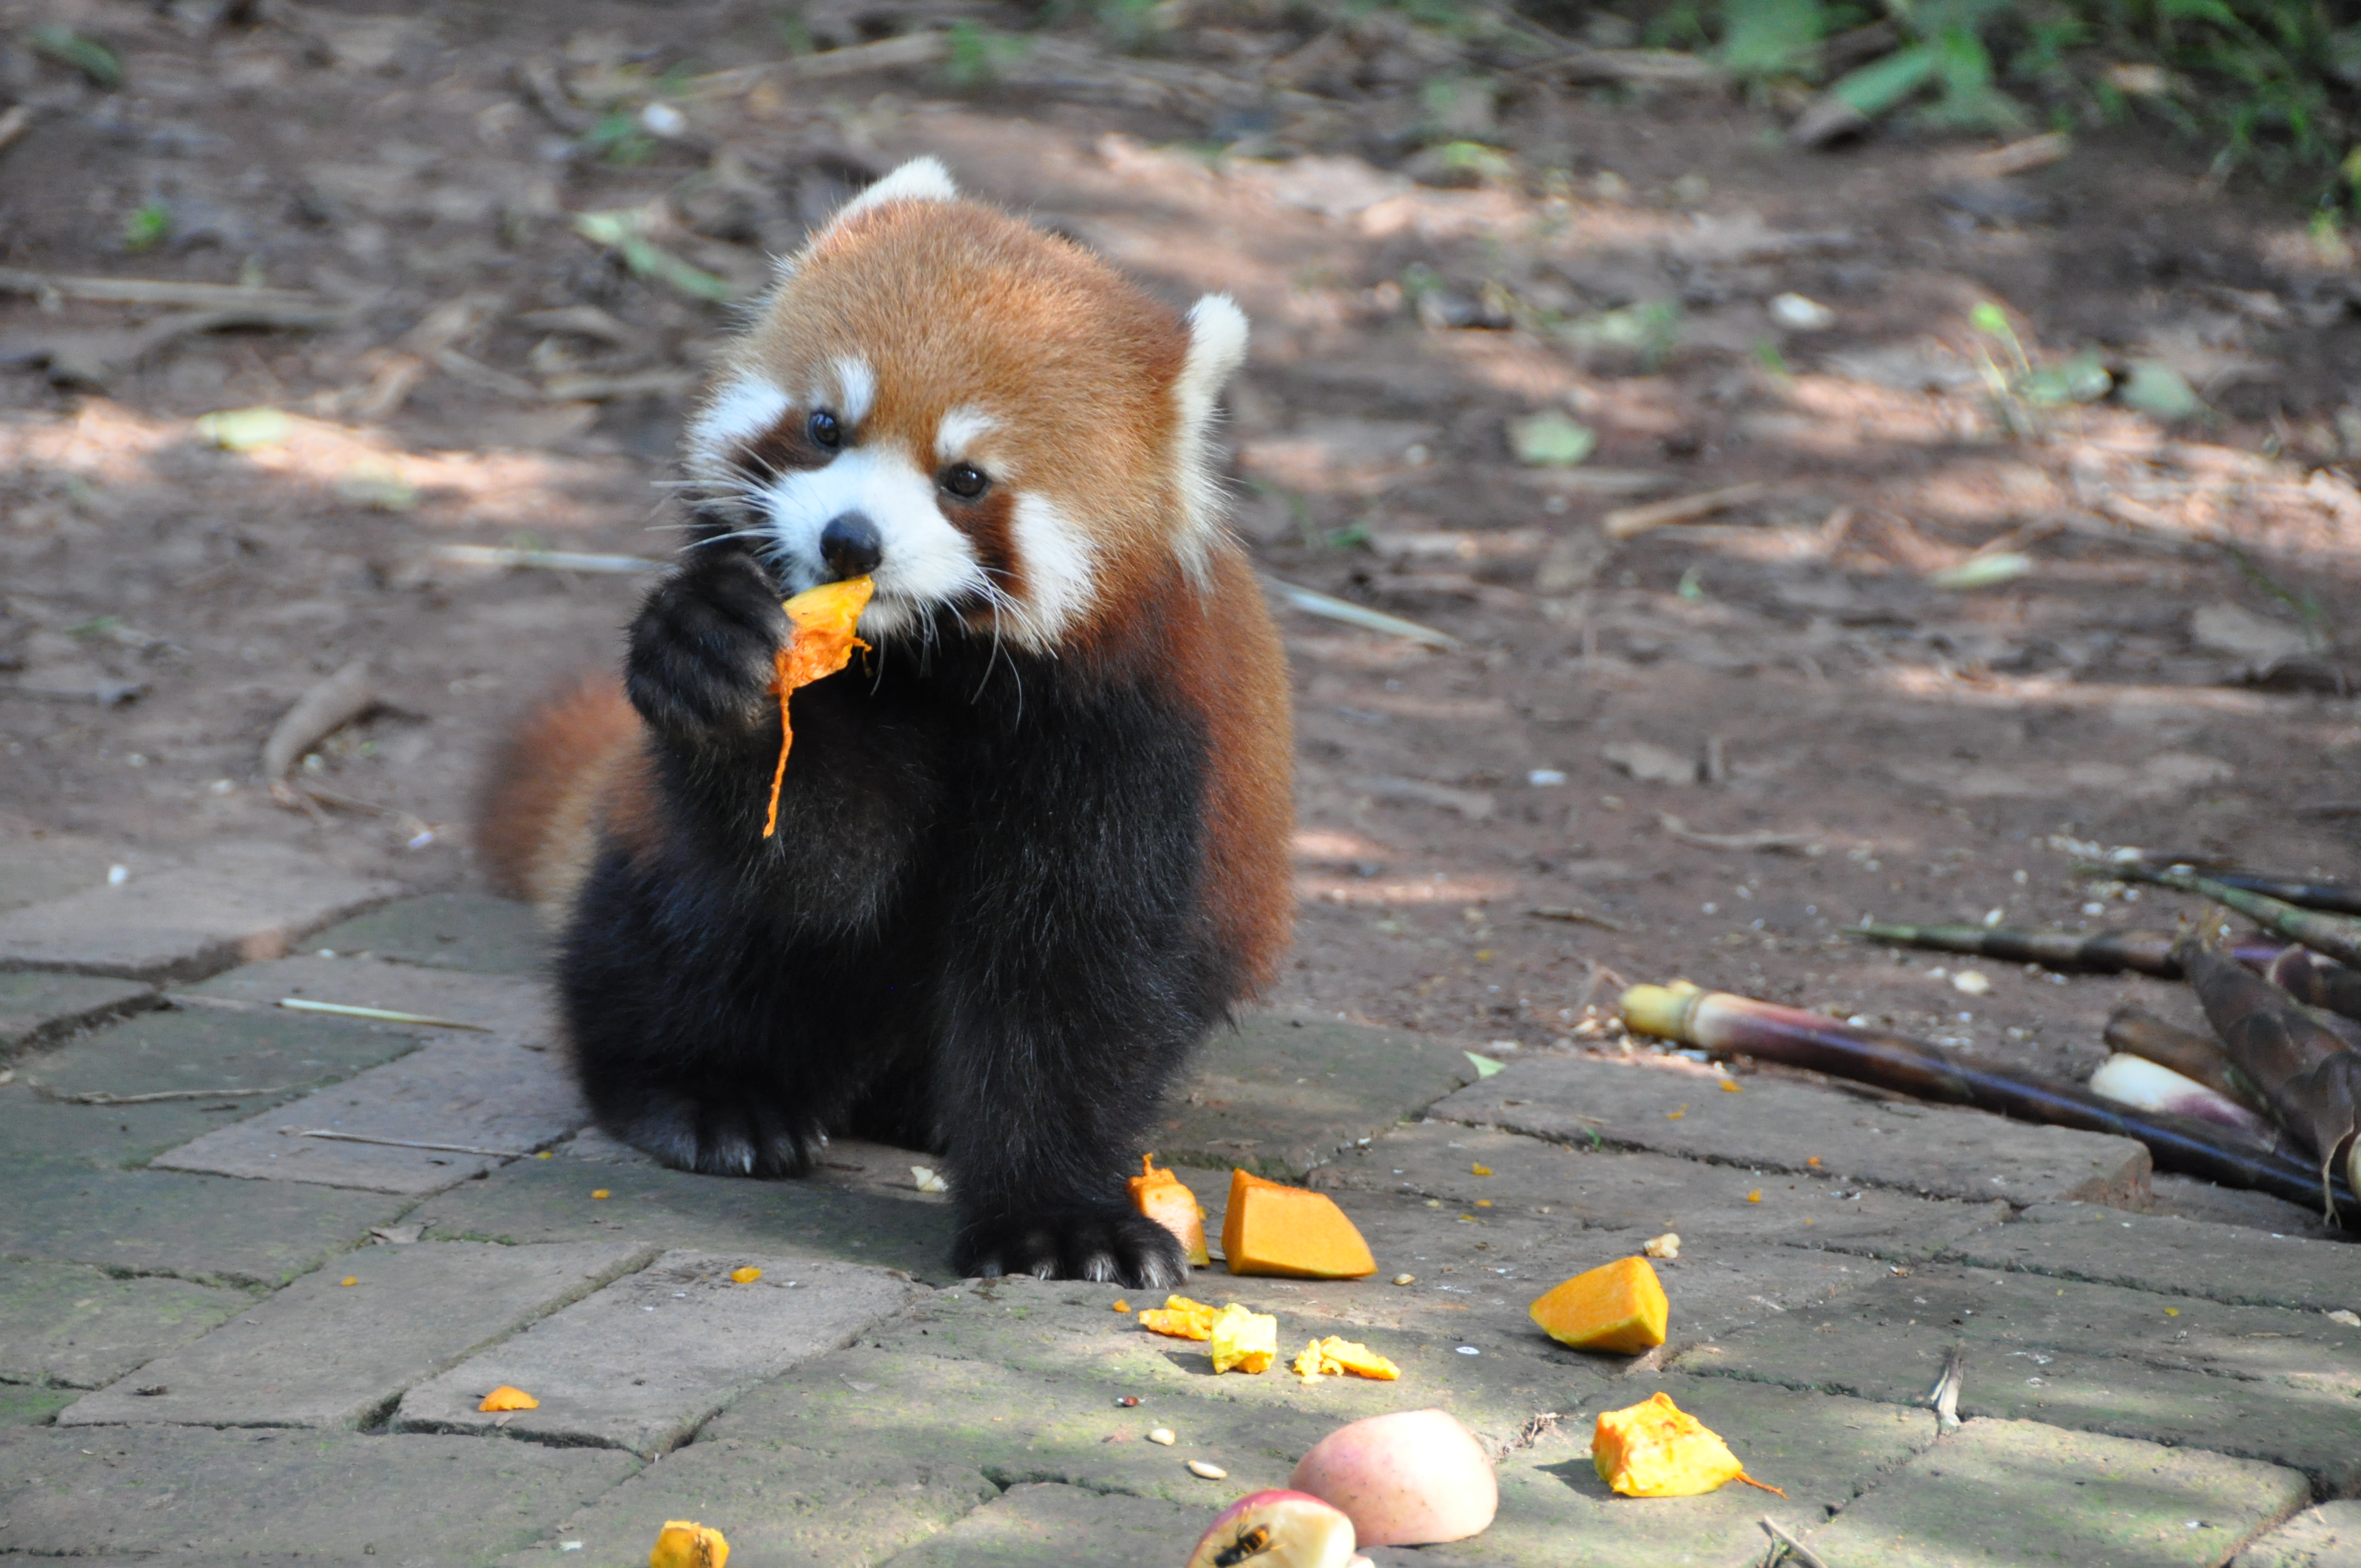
x: 920, y: 180
x: 1217, y: 345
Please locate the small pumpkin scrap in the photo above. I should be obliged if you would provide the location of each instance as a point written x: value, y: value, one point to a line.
x: 508, y: 1398
x: 823, y: 618
x: 1245, y: 1340
x: 1333, y: 1356
x: 1180, y: 1318
x: 1272, y: 1228
x: 685, y: 1543
x: 1655, y: 1449
x: 1619, y: 1309
x: 1166, y: 1199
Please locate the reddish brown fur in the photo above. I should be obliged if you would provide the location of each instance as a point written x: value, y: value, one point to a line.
x: 539, y: 815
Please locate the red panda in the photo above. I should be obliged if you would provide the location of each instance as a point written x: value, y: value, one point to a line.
x: 1033, y: 846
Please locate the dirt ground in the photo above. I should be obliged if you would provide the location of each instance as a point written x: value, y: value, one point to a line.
x: 1492, y: 834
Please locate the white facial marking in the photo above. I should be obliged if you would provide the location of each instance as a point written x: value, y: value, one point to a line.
x: 1217, y: 345
x: 920, y: 180
x: 923, y: 561
x: 1057, y: 559
x: 857, y: 389
x: 962, y: 426
x: 740, y: 408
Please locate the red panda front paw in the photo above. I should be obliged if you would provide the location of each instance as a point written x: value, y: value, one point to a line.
x: 703, y: 652
x: 739, y: 1138
x: 1113, y: 1246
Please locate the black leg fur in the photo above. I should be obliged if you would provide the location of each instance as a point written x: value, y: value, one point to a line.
x: 979, y: 923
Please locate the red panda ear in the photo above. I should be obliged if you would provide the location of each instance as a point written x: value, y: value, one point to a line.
x: 920, y: 180
x: 1217, y: 345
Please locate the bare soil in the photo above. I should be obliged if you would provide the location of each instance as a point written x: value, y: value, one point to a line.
x: 1483, y: 854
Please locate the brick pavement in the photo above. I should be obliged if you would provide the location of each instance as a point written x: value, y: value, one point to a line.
x: 185, y: 1377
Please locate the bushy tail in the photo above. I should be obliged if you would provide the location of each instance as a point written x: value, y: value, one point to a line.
x: 537, y: 818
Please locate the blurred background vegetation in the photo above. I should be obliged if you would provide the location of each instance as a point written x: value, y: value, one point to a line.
x: 2269, y: 89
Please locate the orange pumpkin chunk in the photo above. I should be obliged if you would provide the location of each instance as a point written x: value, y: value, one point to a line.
x: 1620, y: 1307
x: 685, y: 1543
x: 1181, y: 1318
x: 1333, y: 1356
x: 1272, y: 1228
x: 1245, y: 1340
x: 508, y: 1398
x: 1655, y: 1449
x: 1166, y: 1199
x: 823, y: 643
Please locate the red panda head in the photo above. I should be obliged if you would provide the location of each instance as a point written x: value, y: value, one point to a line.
x: 986, y: 418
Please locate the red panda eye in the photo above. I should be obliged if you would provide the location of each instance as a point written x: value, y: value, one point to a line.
x: 825, y: 432
x: 963, y: 481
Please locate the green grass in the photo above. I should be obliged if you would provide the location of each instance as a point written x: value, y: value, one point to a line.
x: 2269, y: 85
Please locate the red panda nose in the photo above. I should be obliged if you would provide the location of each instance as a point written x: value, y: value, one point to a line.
x: 851, y: 546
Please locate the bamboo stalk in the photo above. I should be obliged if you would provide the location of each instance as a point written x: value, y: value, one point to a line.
x: 2137, y: 1032
x: 2310, y: 1077
x: 2099, y: 952
x: 2337, y: 936
x: 1738, y: 1025
x: 2336, y: 898
x: 2317, y: 981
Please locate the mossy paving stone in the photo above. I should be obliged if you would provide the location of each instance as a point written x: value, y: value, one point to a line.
x: 1939, y: 1151
x: 2000, y: 1494
x: 207, y: 1228
x: 2328, y: 1536
x: 36, y: 1006
x: 2172, y: 1256
x: 61, y: 1323
x: 201, y: 1049
x: 1285, y: 1091
x: 549, y: 1200
x: 32, y: 1405
x: 338, y: 1348
x: 120, y: 1137
x: 1044, y: 1522
x: 251, y: 1495
x: 2248, y: 1381
x: 448, y: 930
x: 1649, y: 1193
x: 57, y: 865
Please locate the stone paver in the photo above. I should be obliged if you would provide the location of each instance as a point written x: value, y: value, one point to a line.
x: 1285, y: 1091
x: 207, y: 1228
x: 233, y: 904
x: 462, y: 1094
x: 250, y: 1495
x: 1999, y: 1493
x: 34, y: 1007
x: 31, y: 1404
x: 78, y: 1327
x: 199, y: 1050
x: 1476, y: 1270
x: 644, y: 1362
x: 2188, y: 1258
x: 323, y: 1353
x: 448, y: 930
x: 2256, y: 1382
x: 1775, y: 1125
x: 1613, y: 1190
x: 2327, y: 1537
x: 33, y: 1126
x: 44, y: 867
x: 1044, y: 1522
x: 515, y: 1008
x: 549, y: 1200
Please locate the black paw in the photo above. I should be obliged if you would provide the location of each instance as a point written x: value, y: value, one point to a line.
x: 717, y: 1139
x: 703, y: 649
x: 1113, y: 1246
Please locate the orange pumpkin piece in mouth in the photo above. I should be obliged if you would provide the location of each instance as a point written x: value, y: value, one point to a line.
x: 822, y: 644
